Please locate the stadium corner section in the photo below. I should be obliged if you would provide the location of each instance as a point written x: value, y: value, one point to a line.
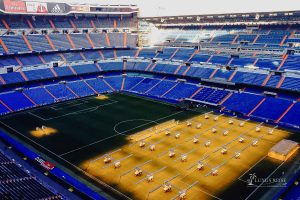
x: 56, y: 173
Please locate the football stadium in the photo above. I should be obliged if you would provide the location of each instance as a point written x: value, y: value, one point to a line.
x: 100, y: 102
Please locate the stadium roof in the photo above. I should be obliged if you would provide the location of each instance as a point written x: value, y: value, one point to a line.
x: 152, y: 8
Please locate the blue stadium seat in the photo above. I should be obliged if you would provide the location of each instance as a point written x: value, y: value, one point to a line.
x: 131, y: 82
x: 39, y: 96
x: 80, y: 88
x: 63, y: 71
x: 13, y: 77
x: 114, y: 81
x: 60, y: 91
x: 111, y: 66
x: 39, y: 74
x: 181, y: 91
x: 242, y: 102
x: 85, y: 69
x: 272, y: 108
x: 292, y: 117
x: 145, y: 85
x: 99, y: 85
x: 161, y: 88
x: 16, y: 101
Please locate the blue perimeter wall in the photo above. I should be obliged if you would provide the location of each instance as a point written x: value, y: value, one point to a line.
x: 58, y: 173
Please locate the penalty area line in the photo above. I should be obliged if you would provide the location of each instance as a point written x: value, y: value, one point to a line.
x: 149, y: 122
x: 76, y: 167
x: 88, y: 145
x: 96, y: 142
x: 90, y: 109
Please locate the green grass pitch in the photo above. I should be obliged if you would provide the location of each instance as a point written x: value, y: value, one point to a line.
x: 90, y: 126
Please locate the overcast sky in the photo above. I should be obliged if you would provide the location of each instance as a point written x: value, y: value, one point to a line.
x: 190, y: 7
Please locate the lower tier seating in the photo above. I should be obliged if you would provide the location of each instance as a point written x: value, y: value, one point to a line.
x: 270, y: 108
x: 281, y: 109
x: 292, y: 116
x: 242, y: 102
x: 15, y: 183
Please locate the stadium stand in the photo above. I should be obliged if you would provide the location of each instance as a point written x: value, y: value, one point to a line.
x: 16, y: 182
x: 231, y: 67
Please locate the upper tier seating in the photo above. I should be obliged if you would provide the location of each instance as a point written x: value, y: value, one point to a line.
x: 15, y: 44
x: 39, y: 74
x: 80, y: 41
x: 92, y: 55
x: 166, y: 53
x: 108, y: 54
x: 223, y: 74
x: 102, y: 22
x: 112, y: 66
x: 165, y: 68
x: 292, y: 63
x: 268, y: 63
x: 60, y: 41
x: 116, y: 39
x: 38, y: 42
x: 85, y: 69
x: 52, y: 57
x: 242, y: 61
x: 199, y: 72
x: 200, y: 57
x: 63, y: 71
x: 220, y: 60
x: 291, y: 83
x: 183, y: 54
x: 273, y: 81
x: 15, y: 22
x: 147, y: 53
x: 13, y: 77
x: 8, y: 61
x: 98, y: 39
x: 74, y: 56
x: 30, y: 60
x: 132, y: 40
x: 41, y: 22
x: 139, y: 66
x: 2, y: 50
x: 127, y: 53
x: 250, y: 78
x: 83, y: 22
x: 61, y: 22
